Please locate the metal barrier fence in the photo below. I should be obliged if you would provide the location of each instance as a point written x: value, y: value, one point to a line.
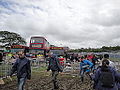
x: 76, y: 66
x: 117, y: 64
x: 115, y: 55
x: 37, y: 63
x: 6, y: 67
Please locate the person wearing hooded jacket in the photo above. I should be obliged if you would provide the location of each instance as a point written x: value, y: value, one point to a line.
x: 55, y: 67
x: 118, y: 82
x: 96, y: 77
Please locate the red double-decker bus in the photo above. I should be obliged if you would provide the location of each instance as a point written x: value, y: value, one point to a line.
x: 39, y: 46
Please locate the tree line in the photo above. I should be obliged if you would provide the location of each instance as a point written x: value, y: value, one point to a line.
x: 103, y: 49
x: 10, y: 38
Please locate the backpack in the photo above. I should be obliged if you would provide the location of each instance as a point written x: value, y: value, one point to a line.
x: 107, y: 79
x: 53, y: 63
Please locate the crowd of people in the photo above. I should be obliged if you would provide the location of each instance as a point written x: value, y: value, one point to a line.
x: 104, y: 74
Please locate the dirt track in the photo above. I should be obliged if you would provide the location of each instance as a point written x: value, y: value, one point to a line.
x: 41, y: 81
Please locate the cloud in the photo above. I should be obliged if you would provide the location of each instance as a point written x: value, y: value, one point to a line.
x: 73, y: 23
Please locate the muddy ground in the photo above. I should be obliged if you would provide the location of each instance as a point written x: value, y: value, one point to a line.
x: 41, y: 81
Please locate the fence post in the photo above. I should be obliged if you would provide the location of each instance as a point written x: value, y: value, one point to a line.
x: 1, y: 73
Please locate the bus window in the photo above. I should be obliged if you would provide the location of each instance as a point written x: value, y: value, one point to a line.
x: 36, y: 40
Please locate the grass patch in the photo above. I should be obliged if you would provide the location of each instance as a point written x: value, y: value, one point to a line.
x: 39, y: 69
x: 6, y: 80
x: 4, y: 70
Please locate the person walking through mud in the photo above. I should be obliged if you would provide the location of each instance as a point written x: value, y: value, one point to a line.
x: 23, y: 69
x: 55, y: 67
x: 85, y: 67
x: 1, y: 57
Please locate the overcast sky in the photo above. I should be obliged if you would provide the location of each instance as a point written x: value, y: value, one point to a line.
x: 73, y: 23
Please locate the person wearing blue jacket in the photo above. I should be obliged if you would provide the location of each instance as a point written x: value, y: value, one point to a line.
x: 85, y: 67
x: 98, y: 82
x: 23, y: 69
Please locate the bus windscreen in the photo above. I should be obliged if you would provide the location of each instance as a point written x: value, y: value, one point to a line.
x: 36, y: 40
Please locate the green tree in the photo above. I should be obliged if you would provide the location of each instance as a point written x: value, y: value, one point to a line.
x: 11, y: 38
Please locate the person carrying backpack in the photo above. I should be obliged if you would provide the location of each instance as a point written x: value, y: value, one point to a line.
x: 118, y: 82
x: 55, y: 67
x: 105, y: 77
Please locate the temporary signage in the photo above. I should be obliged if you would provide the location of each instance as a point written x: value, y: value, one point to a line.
x: 17, y: 46
x: 56, y: 48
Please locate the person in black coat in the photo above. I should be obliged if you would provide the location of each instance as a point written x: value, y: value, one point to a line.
x: 23, y: 69
x: 55, y: 67
x: 1, y: 57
